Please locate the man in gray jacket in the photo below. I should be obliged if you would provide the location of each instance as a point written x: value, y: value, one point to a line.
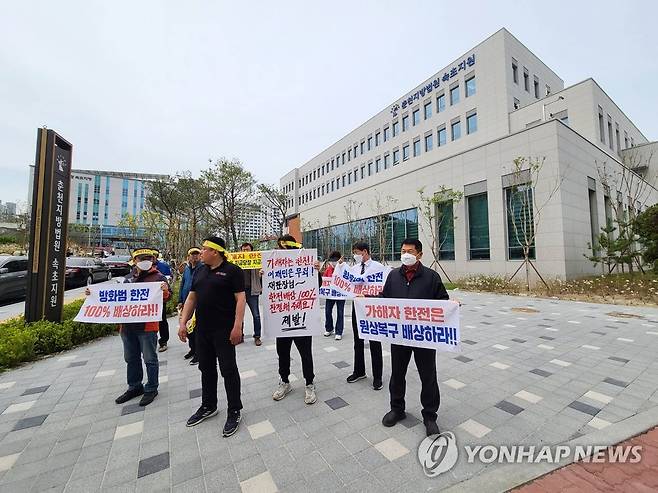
x: 253, y: 288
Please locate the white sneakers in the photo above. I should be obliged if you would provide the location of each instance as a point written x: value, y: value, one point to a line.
x: 338, y: 337
x: 285, y: 388
x: 309, y: 394
x: 327, y: 333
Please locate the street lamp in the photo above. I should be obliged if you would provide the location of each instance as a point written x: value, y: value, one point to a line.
x: 543, y: 107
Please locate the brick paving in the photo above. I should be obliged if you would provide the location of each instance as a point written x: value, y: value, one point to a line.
x: 547, y: 374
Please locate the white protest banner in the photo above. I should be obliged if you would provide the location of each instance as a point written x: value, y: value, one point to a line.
x: 347, y: 281
x: 328, y: 292
x: 123, y: 303
x: 432, y: 324
x: 290, y: 289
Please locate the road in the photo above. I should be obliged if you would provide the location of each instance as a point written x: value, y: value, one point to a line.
x: 11, y: 310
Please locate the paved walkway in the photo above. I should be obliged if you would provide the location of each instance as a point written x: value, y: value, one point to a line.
x: 531, y: 371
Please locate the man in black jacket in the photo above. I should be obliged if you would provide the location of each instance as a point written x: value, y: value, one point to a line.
x: 413, y: 281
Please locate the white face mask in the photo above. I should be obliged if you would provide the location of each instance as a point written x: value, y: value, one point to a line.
x: 358, y: 258
x: 408, y: 259
x: 144, y: 265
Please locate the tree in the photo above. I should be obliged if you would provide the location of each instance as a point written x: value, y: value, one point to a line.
x: 646, y: 226
x: 382, y: 226
x: 524, y: 211
x: 276, y: 203
x: 354, y: 227
x: 436, y: 222
x: 130, y: 224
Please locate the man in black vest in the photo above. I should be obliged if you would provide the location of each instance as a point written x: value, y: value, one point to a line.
x: 413, y: 281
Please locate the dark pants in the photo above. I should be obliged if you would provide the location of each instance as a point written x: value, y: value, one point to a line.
x: 191, y: 341
x: 426, y: 364
x: 164, y: 332
x: 359, y: 356
x: 303, y: 343
x: 252, y: 303
x: 340, y: 316
x: 138, y: 344
x: 213, y: 345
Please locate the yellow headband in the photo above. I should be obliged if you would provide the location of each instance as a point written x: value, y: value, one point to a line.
x: 143, y: 251
x: 291, y: 244
x: 193, y: 250
x: 214, y: 246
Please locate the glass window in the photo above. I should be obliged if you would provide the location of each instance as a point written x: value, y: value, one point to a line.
x: 601, y: 126
x: 526, y: 80
x: 356, y: 150
x: 441, y: 137
x: 405, y: 123
x: 428, y: 110
x: 369, y: 169
x: 536, y: 88
x: 478, y: 227
x: 349, y: 178
x: 515, y: 73
x: 470, y: 87
x: 377, y: 165
x: 445, y: 230
x: 387, y: 161
x: 471, y: 123
x: 396, y: 128
x: 405, y: 152
x: 363, y: 144
x: 343, y: 158
x: 369, y: 143
x: 396, y: 157
x: 454, y: 95
x: 363, y: 172
x: 349, y: 154
x: 440, y: 103
x: 416, y: 117
x: 416, y: 148
x: 377, y: 139
x: 386, y: 134
x: 428, y: 142
x: 520, y: 222
x: 456, y: 130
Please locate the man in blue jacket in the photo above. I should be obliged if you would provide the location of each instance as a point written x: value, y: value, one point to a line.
x: 192, y: 266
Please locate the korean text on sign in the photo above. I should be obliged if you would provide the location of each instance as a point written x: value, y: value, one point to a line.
x: 432, y: 324
x: 348, y: 282
x: 246, y: 260
x: 290, y: 293
x: 123, y: 303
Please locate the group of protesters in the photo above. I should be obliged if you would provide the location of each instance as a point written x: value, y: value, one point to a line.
x: 214, y: 293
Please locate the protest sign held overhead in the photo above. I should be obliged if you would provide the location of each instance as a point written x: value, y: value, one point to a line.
x: 125, y: 303
x: 432, y: 324
x: 290, y: 289
x: 347, y: 282
x: 245, y: 260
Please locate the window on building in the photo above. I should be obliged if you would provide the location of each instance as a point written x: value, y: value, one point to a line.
x: 526, y: 79
x: 369, y: 169
x: 377, y: 140
x: 445, y: 230
x: 611, y: 141
x: 363, y: 145
x: 536, y: 87
x: 322, y: 189
x: 396, y: 128
x: 415, y: 117
x: 428, y: 110
x: 515, y: 72
x: 632, y: 142
x: 454, y: 95
x: 548, y: 90
x: 601, y: 125
x: 405, y: 152
x: 593, y: 216
x: 429, y: 142
x: 344, y: 180
x: 349, y: 178
x: 387, y: 161
x: 456, y: 130
x: 332, y: 185
x: 625, y: 139
x: 343, y: 158
x: 356, y: 175
x: 356, y: 150
x: 405, y: 123
x: 478, y: 227
x: 363, y: 171
x: 387, y: 134
x: 440, y: 103
x: 338, y: 183
x: 349, y: 154
x: 441, y: 137
x: 470, y: 87
x: 416, y: 147
x: 471, y: 123
x: 520, y: 221
x: 369, y: 143
x: 617, y: 137
x: 396, y: 157
x: 377, y: 164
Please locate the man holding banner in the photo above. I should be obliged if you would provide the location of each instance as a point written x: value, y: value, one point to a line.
x: 414, y: 281
x: 218, y: 296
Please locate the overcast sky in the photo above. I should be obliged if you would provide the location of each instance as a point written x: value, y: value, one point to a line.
x: 161, y: 86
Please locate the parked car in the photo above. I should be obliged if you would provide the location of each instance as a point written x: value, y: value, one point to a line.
x: 118, y: 264
x: 82, y: 271
x: 13, y: 277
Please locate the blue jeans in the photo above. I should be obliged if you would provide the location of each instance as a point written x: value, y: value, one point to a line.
x: 252, y: 301
x: 138, y: 343
x: 340, y: 316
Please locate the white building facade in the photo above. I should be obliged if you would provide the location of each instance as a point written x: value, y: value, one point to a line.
x: 461, y: 130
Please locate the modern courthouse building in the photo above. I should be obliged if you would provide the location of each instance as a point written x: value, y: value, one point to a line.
x: 462, y: 129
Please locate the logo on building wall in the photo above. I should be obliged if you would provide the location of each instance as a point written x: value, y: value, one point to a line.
x: 435, y: 84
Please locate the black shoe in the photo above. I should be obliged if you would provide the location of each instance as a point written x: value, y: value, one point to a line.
x: 392, y: 417
x: 432, y: 428
x: 355, y: 378
x: 189, y: 354
x: 194, y: 360
x: 377, y: 384
x: 201, y: 414
x: 232, y: 423
x: 147, y: 398
x: 129, y: 394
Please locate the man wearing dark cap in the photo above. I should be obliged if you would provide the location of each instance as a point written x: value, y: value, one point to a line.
x: 191, y: 267
x: 217, y: 294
